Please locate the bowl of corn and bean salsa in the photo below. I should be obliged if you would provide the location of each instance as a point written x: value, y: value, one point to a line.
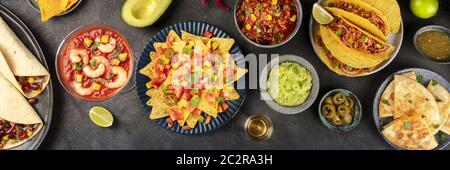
x: 94, y: 62
x: 268, y: 23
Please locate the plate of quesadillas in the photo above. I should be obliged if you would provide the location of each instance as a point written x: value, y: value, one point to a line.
x: 411, y: 110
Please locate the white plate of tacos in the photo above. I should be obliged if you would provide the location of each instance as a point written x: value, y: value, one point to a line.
x: 27, y: 96
x: 364, y: 37
x: 411, y: 110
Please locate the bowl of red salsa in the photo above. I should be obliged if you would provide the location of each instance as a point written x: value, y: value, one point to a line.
x: 94, y: 62
x: 268, y: 23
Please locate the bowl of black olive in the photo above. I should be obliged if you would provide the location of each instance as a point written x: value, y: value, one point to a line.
x: 340, y: 110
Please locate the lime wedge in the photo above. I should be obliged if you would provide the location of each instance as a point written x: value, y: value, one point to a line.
x: 321, y: 15
x: 101, y: 117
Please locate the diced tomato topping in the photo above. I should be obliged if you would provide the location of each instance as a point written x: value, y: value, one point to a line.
x: 169, y: 122
x: 178, y: 92
x: 225, y: 95
x: 186, y: 95
x: 208, y: 34
x: 197, y: 111
x: 224, y: 106
x: 186, y: 128
x: 175, y: 113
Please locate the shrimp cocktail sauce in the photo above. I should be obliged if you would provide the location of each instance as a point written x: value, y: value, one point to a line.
x: 267, y: 22
x: 95, y: 63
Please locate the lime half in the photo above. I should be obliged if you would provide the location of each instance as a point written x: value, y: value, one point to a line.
x: 101, y: 117
x: 321, y: 15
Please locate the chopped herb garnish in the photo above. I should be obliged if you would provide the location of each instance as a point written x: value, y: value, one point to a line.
x: 419, y: 78
x: 385, y: 102
x: 93, y: 63
x: 434, y: 82
x: 407, y: 125
x: 339, y: 32
x: 364, y: 38
x: 220, y: 99
x: 350, y: 41
x: 187, y: 50
x: 95, y: 46
x: 258, y: 7
x: 349, y: 68
x: 248, y: 12
x: 442, y: 137
x: 436, y: 126
x: 76, y: 67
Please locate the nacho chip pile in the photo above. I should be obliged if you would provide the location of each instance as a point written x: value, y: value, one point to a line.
x: 191, y: 78
x: 51, y: 8
x: 419, y: 112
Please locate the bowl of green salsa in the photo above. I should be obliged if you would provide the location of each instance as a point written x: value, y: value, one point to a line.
x: 433, y: 42
x: 289, y: 84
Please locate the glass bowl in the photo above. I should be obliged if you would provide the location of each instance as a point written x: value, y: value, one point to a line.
x: 66, y: 42
x: 357, y: 113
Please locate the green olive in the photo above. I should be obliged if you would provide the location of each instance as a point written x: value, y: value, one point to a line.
x: 347, y: 119
x: 328, y: 110
x: 343, y: 110
x: 339, y: 98
x: 329, y: 100
x: 351, y: 102
x: 336, y: 120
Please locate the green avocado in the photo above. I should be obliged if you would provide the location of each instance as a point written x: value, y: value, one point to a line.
x: 142, y: 13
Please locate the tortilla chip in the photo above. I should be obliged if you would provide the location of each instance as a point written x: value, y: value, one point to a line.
x: 175, y: 36
x: 232, y: 93
x: 178, y: 46
x: 51, y: 8
x: 160, y: 45
x: 192, y: 120
x: 225, y: 44
x: 149, y: 70
x: 191, y: 37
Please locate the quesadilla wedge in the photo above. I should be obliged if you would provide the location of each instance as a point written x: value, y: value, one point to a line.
x: 410, y: 132
x: 445, y: 107
x: 412, y: 98
x: 18, y: 120
x: 353, y: 46
x: 386, y: 106
x: 19, y: 65
x: 361, y: 14
x: 438, y: 91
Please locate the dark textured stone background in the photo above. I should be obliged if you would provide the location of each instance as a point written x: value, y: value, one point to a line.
x: 72, y: 129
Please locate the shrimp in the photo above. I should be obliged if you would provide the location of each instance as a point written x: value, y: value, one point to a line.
x: 79, y: 89
x: 121, y: 78
x: 77, y: 54
x: 102, y: 65
x: 108, y: 47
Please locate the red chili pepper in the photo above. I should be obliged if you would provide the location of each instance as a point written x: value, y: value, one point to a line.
x: 222, y: 5
x: 204, y: 3
x: 218, y: 2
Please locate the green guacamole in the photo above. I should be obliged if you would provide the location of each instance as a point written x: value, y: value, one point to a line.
x: 289, y: 84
